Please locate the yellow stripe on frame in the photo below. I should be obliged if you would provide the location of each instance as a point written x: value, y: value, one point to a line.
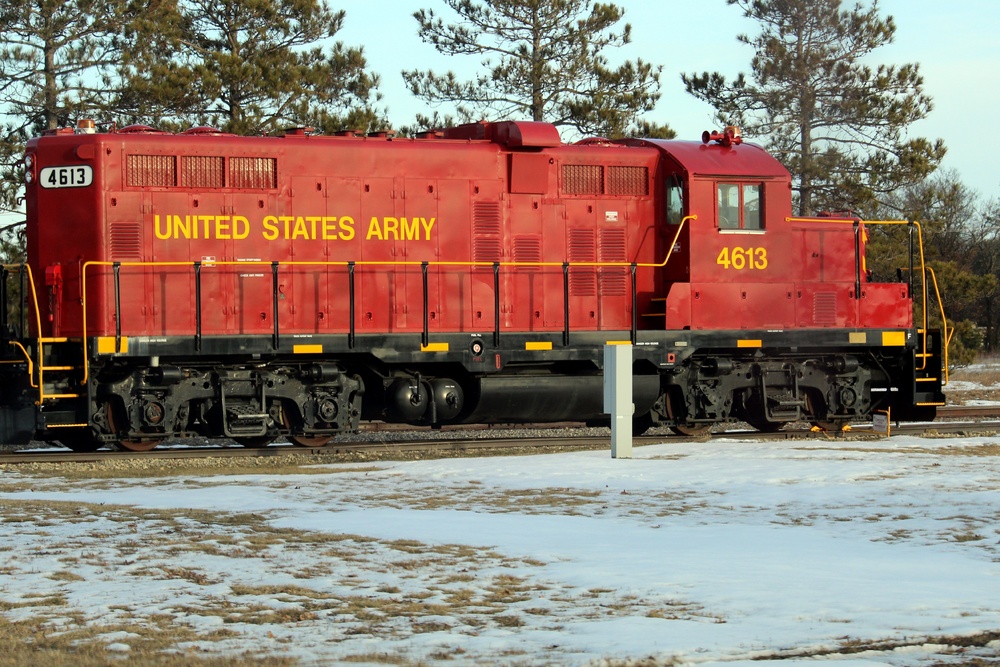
x: 106, y: 345
x: 538, y: 345
x: 617, y: 342
x: 860, y: 337
x: 307, y: 349
x: 749, y: 342
x: 893, y: 338
x: 434, y: 347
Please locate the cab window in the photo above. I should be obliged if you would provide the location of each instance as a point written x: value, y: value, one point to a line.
x: 675, y: 201
x: 740, y: 206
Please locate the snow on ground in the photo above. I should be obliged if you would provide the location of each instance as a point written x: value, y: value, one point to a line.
x: 691, y: 553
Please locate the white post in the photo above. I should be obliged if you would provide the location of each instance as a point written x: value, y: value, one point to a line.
x: 618, y: 398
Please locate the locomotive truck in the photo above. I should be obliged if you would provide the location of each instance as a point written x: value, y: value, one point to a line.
x: 251, y: 288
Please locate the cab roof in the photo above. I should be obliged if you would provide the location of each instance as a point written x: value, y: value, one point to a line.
x: 712, y: 159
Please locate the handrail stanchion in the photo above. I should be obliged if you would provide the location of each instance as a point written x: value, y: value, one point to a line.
x: 425, y: 334
x: 350, y: 287
x: 117, y: 266
x: 566, y: 303
x: 857, y: 260
x: 496, y: 304
x: 197, y: 306
x: 635, y: 324
x: 274, y: 300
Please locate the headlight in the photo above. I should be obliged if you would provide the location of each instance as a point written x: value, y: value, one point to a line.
x: 28, y: 177
x: 29, y: 160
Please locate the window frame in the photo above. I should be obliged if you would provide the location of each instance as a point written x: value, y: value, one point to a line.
x: 740, y: 213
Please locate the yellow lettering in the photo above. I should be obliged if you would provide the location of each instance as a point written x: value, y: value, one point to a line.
x: 222, y: 227
x: 329, y: 228
x: 390, y: 224
x: 185, y: 227
x: 409, y: 229
x: 300, y: 229
x: 346, y: 228
x: 427, y: 227
x: 312, y: 220
x: 206, y: 221
x: 287, y: 221
x: 313, y: 228
x: 270, y: 228
x: 162, y: 235
x: 241, y: 227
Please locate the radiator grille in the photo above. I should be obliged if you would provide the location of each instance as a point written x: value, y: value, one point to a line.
x: 151, y: 171
x: 583, y: 179
x: 628, y: 181
x: 203, y: 171
x: 254, y: 173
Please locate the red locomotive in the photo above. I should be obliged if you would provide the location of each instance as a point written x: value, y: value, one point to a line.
x: 255, y: 287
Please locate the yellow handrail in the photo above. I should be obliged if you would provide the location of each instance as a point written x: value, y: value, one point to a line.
x: 944, y: 325
x: 344, y: 263
x: 38, y: 330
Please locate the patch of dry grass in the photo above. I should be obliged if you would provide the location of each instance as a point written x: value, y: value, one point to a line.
x: 34, y: 643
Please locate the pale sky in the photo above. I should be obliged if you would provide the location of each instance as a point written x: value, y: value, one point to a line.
x: 954, y: 42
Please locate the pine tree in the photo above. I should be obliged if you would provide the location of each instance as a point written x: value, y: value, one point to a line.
x: 836, y: 123
x: 542, y: 60
x: 58, y: 63
x: 249, y: 67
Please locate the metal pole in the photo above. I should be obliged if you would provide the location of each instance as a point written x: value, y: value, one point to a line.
x: 496, y: 304
x: 350, y: 335
x: 425, y: 336
x: 274, y: 300
x: 197, y: 306
x: 566, y: 303
x: 118, y: 307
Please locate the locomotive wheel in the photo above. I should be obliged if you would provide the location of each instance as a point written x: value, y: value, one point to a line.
x: 128, y: 444
x: 303, y: 440
x: 310, y: 441
x: 138, y: 445
x: 691, y: 430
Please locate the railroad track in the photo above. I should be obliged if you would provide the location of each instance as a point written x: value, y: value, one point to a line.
x: 475, y: 444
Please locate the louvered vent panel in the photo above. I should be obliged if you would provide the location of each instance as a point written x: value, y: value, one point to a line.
x: 583, y: 179
x: 582, y: 279
x: 628, y: 181
x: 527, y: 249
x: 614, y: 280
x: 487, y: 241
x: 254, y: 173
x: 202, y: 171
x: 126, y: 241
x: 151, y: 171
x: 825, y: 308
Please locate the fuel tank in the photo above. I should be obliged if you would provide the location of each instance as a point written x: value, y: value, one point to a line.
x: 552, y: 398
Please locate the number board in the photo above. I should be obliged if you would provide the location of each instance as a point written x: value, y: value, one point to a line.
x: 79, y: 176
